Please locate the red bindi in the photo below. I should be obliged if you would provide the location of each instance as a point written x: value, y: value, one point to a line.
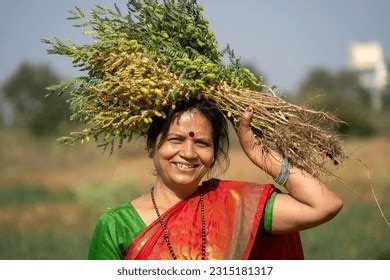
x: 191, y: 134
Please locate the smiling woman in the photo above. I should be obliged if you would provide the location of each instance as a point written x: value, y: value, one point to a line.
x: 158, y: 71
x: 182, y: 218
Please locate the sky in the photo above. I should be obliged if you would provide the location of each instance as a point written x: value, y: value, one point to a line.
x: 283, y: 39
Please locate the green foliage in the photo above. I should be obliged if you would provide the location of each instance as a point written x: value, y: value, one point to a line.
x: 105, y: 194
x: 23, y: 90
x: 177, y: 33
x: 48, y: 244
x: 359, y: 120
x: 27, y: 193
x: 262, y: 81
x: 386, y: 96
x: 357, y: 232
x: 139, y: 64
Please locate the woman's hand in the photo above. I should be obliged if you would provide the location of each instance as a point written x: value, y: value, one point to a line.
x: 248, y: 139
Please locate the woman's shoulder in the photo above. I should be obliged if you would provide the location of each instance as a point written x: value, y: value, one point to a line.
x: 117, y: 213
x: 116, y: 228
x: 117, y: 209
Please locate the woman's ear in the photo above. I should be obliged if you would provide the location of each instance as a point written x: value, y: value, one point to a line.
x: 150, y: 152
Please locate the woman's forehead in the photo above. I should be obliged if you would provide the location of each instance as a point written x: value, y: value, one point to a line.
x: 191, y: 121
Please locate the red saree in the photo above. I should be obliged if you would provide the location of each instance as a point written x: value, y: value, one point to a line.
x: 233, y: 212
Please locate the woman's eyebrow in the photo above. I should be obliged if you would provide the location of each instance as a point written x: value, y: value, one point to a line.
x: 176, y: 135
x: 203, y: 139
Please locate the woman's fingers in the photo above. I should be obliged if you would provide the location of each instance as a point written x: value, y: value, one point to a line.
x: 247, y: 138
x: 244, y: 127
x: 246, y: 118
x: 244, y: 130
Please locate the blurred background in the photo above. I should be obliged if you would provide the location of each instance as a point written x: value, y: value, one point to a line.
x: 334, y: 55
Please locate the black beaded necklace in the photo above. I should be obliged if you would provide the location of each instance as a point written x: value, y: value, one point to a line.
x: 165, y: 232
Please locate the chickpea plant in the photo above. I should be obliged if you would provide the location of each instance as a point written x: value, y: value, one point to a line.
x: 160, y: 52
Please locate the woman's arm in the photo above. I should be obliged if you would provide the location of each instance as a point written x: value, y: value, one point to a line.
x: 308, y: 203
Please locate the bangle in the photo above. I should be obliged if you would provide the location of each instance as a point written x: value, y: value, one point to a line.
x: 281, y: 179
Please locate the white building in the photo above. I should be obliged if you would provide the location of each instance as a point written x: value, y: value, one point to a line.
x: 367, y: 59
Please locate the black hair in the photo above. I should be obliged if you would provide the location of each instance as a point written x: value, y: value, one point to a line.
x: 216, y: 118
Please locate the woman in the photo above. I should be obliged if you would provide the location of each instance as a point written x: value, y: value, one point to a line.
x: 183, y: 219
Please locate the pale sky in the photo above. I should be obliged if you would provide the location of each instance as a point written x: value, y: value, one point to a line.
x: 284, y: 39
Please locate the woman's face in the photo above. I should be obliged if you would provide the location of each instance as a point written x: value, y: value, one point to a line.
x: 187, y: 153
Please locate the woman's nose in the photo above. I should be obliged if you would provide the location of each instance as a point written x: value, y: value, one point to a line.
x: 188, y: 150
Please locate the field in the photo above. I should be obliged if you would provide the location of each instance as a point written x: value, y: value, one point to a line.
x: 51, y: 197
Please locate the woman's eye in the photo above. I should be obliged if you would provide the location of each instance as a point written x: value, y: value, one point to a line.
x: 203, y: 144
x: 175, y: 140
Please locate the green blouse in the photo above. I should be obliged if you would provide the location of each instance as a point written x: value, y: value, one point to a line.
x: 118, y: 226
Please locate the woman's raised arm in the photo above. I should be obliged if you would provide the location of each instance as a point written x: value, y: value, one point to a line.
x: 308, y: 203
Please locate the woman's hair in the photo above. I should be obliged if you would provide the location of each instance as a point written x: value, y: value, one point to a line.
x: 217, y: 120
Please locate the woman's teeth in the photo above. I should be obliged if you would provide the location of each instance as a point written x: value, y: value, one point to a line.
x: 184, y: 165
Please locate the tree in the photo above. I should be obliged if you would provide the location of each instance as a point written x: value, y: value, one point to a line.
x: 25, y: 91
x: 335, y: 88
x: 342, y: 94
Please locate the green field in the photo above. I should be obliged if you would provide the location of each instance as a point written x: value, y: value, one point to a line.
x: 51, y: 197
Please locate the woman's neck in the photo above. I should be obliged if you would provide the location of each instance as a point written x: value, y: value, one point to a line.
x: 168, y: 196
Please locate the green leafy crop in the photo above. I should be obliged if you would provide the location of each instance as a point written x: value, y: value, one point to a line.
x: 161, y: 52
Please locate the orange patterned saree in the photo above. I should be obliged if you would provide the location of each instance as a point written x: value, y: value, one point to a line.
x: 233, y: 211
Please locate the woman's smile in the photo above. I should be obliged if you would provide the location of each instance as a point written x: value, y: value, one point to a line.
x: 185, y: 166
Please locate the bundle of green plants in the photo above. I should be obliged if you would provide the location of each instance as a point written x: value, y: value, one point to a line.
x: 160, y: 52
